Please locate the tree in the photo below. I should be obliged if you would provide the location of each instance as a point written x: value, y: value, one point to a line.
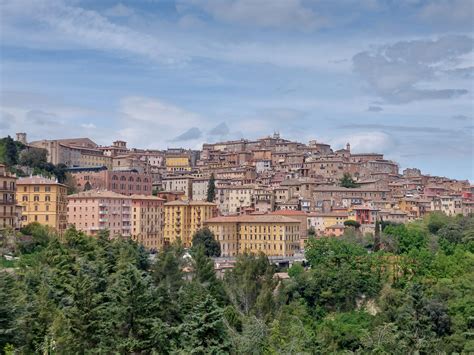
x: 34, y: 157
x: 352, y: 223
x: 203, y: 329
x: 205, y: 238
x: 87, y: 186
x: 211, y: 189
x: 348, y: 181
x: 10, y: 151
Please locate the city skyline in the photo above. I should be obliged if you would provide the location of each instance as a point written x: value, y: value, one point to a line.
x: 181, y: 73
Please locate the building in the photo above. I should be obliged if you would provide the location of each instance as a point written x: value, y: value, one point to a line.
x: 8, y: 211
x: 81, y: 152
x: 177, y: 163
x: 183, y: 218
x: 272, y: 235
x: 336, y: 230
x: 321, y: 221
x: 100, y: 210
x: 43, y: 200
x: 178, y: 183
x: 199, y: 188
x: 300, y: 216
x: 128, y: 182
x: 147, y: 221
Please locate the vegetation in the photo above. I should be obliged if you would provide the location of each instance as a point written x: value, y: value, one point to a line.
x: 211, y: 189
x: 348, y: 181
x: 78, y: 294
x: 205, y: 238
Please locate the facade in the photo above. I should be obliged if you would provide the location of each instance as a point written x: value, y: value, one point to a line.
x: 176, y: 163
x: 199, y: 189
x: 272, y: 235
x: 178, y: 183
x: 183, y: 218
x: 8, y: 210
x: 321, y: 221
x: 147, y: 221
x: 99, y: 210
x: 121, y: 182
x: 74, y: 152
x: 43, y: 200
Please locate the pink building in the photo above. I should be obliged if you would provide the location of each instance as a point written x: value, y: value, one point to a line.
x: 365, y: 214
x: 127, y: 182
x: 95, y: 210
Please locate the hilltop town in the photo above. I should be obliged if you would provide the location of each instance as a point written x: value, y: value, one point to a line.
x: 265, y: 195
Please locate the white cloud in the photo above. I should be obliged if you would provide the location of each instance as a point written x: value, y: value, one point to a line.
x: 405, y: 71
x: 119, y: 10
x: 261, y: 13
x: 365, y: 142
x: 152, y: 122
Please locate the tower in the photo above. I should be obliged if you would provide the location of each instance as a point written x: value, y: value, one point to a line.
x: 348, y: 147
x: 21, y: 137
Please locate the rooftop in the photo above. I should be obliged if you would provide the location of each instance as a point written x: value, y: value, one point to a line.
x: 37, y: 180
x: 265, y: 218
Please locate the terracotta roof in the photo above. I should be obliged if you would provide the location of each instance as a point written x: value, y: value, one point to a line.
x: 98, y: 194
x: 37, y: 180
x: 289, y: 213
x: 189, y: 203
x: 146, y: 197
x: 266, y: 218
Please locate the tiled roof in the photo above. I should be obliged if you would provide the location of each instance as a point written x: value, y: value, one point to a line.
x: 266, y: 218
x: 37, y: 180
x: 98, y: 194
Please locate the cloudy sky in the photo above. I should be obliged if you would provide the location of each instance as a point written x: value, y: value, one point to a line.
x: 391, y: 76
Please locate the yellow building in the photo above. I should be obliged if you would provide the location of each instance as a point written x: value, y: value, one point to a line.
x: 44, y: 201
x: 272, y: 235
x: 183, y: 218
x: 147, y: 221
x: 178, y: 163
x: 8, y: 212
x: 321, y: 221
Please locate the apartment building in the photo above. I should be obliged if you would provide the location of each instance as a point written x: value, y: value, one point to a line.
x: 178, y: 183
x: 98, y: 210
x: 8, y: 211
x: 43, y: 200
x: 183, y: 218
x: 147, y: 221
x: 321, y: 221
x: 272, y: 235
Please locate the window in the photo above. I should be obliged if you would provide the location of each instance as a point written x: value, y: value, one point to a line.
x: 47, y: 189
x: 25, y: 188
x: 36, y: 188
x: 25, y: 198
x: 36, y: 198
x: 47, y: 198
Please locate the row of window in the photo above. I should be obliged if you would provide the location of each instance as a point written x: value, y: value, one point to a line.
x: 36, y: 198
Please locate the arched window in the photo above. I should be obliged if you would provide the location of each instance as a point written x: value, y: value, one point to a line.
x: 115, y: 177
x: 145, y: 180
x: 138, y: 179
x: 130, y: 178
x: 123, y: 178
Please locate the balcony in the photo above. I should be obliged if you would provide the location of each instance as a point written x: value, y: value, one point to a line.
x: 103, y: 212
x: 103, y: 220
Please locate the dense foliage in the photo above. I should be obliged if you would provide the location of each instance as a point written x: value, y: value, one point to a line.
x: 205, y: 238
x: 77, y: 294
x: 348, y: 181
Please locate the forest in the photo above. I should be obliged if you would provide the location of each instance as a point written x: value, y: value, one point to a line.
x: 408, y: 289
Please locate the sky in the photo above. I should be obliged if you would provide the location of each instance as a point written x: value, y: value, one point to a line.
x: 388, y: 76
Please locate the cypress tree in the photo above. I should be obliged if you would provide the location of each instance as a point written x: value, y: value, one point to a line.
x: 211, y: 189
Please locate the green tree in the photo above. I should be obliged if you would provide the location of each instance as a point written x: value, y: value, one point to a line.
x: 352, y: 223
x: 211, y: 189
x: 34, y: 157
x: 205, y: 238
x: 203, y: 330
x: 348, y: 181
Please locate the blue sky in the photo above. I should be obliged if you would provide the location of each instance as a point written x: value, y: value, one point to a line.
x: 393, y: 76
